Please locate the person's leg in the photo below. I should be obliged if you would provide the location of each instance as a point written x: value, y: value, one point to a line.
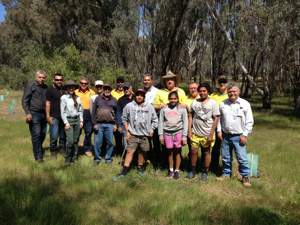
x: 109, y: 135
x: 170, y: 160
x: 241, y: 155
x: 177, y: 155
x: 54, y: 133
x: 69, y: 144
x: 155, y: 154
x: 76, y: 133
x: 62, y: 136
x: 226, y: 149
x: 215, y: 155
x: 206, y: 159
x: 118, y: 142
x: 98, y: 141
x: 35, y: 127
x: 88, y: 130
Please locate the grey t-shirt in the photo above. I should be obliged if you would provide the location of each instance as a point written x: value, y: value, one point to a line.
x: 203, y: 116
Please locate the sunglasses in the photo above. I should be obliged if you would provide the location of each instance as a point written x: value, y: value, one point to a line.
x: 83, y: 83
x: 58, y: 79
x: 99, y: 86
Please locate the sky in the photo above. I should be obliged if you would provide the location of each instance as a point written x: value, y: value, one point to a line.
x: 2, y: 13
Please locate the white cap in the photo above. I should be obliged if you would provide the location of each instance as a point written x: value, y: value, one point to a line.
x: 98, y: 82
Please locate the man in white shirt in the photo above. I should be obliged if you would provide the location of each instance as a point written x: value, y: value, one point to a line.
x: 149, y: 88
x: 236, y: 123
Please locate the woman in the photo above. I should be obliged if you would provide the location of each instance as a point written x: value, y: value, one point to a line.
x: 72, y: 116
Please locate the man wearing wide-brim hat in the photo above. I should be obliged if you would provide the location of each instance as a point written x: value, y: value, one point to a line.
x: 170, y: 81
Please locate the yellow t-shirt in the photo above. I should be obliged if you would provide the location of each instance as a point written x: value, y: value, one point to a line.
x: 85, y: 97
x: 189, y: 101
x: 218, y: 97
x: 161, y: 97
x: 117, y: 94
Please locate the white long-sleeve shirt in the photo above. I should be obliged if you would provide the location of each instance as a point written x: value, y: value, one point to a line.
x: 67, y: 108
x: 236, y: 117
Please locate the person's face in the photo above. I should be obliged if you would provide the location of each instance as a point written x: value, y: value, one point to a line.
x: 233, y: 93
x: 203, y: 93
x: 148, y: 82
x: 127, y: 91
x: 120, y: 85
x: 193, y: 90
x: 40, y: 78
x: 84, y: 84
x: 106, y: 91
x: 173, y: 100
x: 139, y: 98
x: 71, y: 89
x: 99, y: 89
x: 170, y: 83
x: 58, y: 81
x: 222, y: 87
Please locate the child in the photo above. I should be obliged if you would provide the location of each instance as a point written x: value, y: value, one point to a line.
x: 172, y: 131
x: 72, y: 116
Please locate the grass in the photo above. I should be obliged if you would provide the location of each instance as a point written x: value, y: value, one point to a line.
x: 48, y: 193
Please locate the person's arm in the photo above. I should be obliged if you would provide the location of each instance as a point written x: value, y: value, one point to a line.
x: 63, y: 114
x: 190, y: 122
x: 125, y: 116
x: 185, y: 126
x: 94, y: 111
x: 47, y: 109
x: 154, y: 121
x: 216, y: 118
x: 119, y: 116
x: 80, y: 111
x: 27, y: 95
x: 249, y: 121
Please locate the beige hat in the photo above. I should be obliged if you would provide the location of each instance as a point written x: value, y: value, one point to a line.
x: 169, y: 75
x: 99, y: 82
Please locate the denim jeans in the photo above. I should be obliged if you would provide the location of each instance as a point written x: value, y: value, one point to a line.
x: 229, y: 143
x: 38, y: 129
x: 88, y: 130
x: 104, y: 131
x: 72, y: 135
x: 57, y: 130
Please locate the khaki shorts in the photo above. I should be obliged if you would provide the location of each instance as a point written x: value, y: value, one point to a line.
x: 141, y: 142
x: 201, y: 142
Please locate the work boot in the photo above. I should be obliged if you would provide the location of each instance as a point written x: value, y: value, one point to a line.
x: 246, y: 182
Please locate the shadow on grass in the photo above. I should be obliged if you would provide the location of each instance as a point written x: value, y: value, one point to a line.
x: 34, y: 201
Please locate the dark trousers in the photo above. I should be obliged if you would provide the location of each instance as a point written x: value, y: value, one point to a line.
x: 88, y: 130
x: 72, y: 136
x: 38, y: 129
x: 118, y: 142
x: 57, y: 132
x: 215, y: 156
x: 158, y: 154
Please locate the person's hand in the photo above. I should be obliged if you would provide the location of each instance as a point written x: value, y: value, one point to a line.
x: 49, y: 119
x: 243, y: 140
x: 151, y: 133
x: 67, y: 126
x: 28, y: 118
x: 161, y: 139
x: 184, y: 141
x: 210, y: 138
x: 81, y: 124
x: 220, y: 136
x: 115, y: 128
x: 128, y: 136
x: 190, y: 135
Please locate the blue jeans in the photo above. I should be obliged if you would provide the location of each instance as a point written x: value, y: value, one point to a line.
x: 38, y: 128
x: 229, y: 143
x: 105, y: 131
x: 88, y: 130
x: 57, y: 130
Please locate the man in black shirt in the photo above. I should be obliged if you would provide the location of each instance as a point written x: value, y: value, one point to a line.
x: 53, y: 116
x: 33, y: 102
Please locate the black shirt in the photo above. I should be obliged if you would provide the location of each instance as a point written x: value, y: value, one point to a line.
x: 53, y: 95
x: 34, y: 97
x: 122, y: 102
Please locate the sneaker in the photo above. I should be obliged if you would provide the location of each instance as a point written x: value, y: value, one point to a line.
x: 246, y: 182
x: 191, y: 175
x: 120, y: 176
x: 204, y: 177
x: 140, y: 172
x: 176, y: 175
x: 170, y: 174
x: 222, y: 178
x: 88, y: 153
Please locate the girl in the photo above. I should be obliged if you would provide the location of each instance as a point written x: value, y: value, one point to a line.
x: 72, y: 116
x: 172, y: 131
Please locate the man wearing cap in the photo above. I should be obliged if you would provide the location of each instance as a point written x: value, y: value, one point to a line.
x: 85, y: 94
x: 161, y: 98
x: 149, y: 88
x: 33, y: 102
x: 122, y: 102
x: 53, y: 115
x: 236, y: 124
x: 104, y: 117
x: 219, y: 96
x: 139, y: 120
x: 98, y: 91
x: 118, y: 92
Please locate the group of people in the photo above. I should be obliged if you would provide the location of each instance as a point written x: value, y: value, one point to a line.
x: 154, y: 122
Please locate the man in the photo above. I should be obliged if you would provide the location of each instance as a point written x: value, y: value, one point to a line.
x: 85, y: 94
x: 33, y: 102
x: 122, y: 102
x: 236, y: 124
x: 53, y: 95
x: 103, y: 117
x: 219, y: 96
x: 149, y: 88
x: 193, y: 94
x: 118, y: 92
x: 203, y: 120
x: 139, y: 120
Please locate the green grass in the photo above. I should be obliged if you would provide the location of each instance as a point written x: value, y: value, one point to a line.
x: 48, y: 193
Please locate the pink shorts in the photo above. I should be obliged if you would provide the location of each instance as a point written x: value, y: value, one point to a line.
x: 173, y: 140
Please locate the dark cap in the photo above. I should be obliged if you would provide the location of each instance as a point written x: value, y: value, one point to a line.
x: 222, y: 80
x: 107, y: 86
x: 126, y: 85
x: 120, y: 79
x: 140, y: 91
x: 71, y: 83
